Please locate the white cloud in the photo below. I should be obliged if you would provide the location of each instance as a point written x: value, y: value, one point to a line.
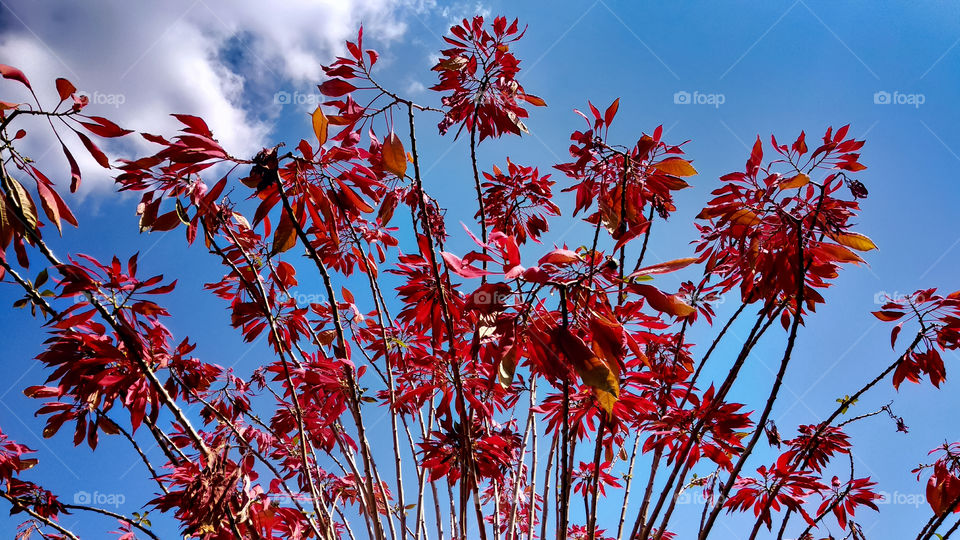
x: 415, y: 87
x: 457, y: 11
x: 218, y: 59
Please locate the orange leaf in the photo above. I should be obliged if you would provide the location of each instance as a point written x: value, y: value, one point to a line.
x: 533, y: 100
x: 744, y: 217
x: 320, y: 125
x: 394, y: 158
x: 676, y: 166
x: 797, y: 181
x: 285, y: 237
x: 833, y: 252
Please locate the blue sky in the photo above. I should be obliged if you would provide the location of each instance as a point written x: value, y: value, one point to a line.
x: 888, y: 69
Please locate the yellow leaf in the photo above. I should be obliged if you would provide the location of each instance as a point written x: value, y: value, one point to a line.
x: 394, y: 158
x: 605, y: 386
x: 320, y: 125
x: 676, y: 166
x: 797, y: 181
x: 22, y: 199
x: 508, y: 365
x: 855, y: 241
x: 182, y: 213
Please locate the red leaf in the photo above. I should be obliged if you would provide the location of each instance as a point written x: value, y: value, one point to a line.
x: 94, y: 151
x: 65, y: 88
x: 163, y: 289
x: 611, y: 111
x: 48, y: 200
x: 195, y: 124
x: 888, y: 315
x: 665, y: 303
x: 166, y: 222
x: 893, y: 335
x: 336, y: 88
x: 535, y: 275
x: 665, y: 267
x: 594, y: 110
x: 756, y: 157
x: 456, y: 265
x: 559, y: 257
x: 10, y: 72
x: 104, y: 127
x: 74, y: 169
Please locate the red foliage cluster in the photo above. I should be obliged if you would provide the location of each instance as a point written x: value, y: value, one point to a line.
x: 480, y: 73
x: 470, y: 359
x: 518, y: 201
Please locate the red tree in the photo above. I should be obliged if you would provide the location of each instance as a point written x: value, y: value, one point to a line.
x: 518, y: 396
